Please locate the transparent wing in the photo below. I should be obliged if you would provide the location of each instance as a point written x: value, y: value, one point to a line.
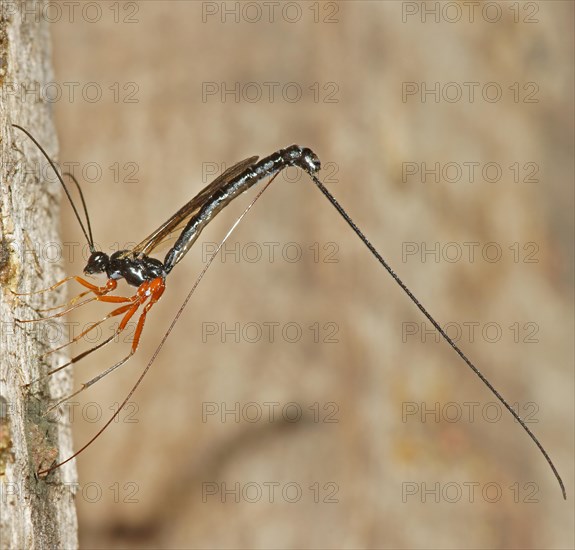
x: 167, y: 230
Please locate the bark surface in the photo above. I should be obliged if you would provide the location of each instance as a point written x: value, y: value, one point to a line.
x: 36, y: 513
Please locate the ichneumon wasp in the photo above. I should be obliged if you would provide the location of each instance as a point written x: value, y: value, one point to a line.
x: 149, y: 274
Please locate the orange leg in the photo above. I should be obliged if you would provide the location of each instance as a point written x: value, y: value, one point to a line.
x: 157, y: 287
x: 94, y: 288
x: 114, y: 313
x: 98, y: 291
x: 110, y: 285
x: 131, y: 309
x: 102, y: 297
x: 54, y: 286
x: 118, y: 311
x: 151, y: 290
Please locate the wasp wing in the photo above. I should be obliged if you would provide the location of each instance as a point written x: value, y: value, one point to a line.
x: 181, y: 217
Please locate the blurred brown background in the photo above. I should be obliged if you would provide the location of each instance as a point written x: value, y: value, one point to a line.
x: 144, y: 483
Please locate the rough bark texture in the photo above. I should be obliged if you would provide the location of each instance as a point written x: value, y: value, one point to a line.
x: 36, y: 513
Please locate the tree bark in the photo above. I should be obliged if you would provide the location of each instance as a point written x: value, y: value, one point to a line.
x: 36, y: 512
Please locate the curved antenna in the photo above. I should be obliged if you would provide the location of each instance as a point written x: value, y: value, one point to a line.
x: 84, y: 207
x: 437, y: 327
x: 86, y: 234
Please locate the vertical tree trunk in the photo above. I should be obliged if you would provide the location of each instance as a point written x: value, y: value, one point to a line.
x: 36, y: 513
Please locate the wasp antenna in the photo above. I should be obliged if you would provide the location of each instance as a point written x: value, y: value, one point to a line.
x: 46, y: 156
x: 85, y: 208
